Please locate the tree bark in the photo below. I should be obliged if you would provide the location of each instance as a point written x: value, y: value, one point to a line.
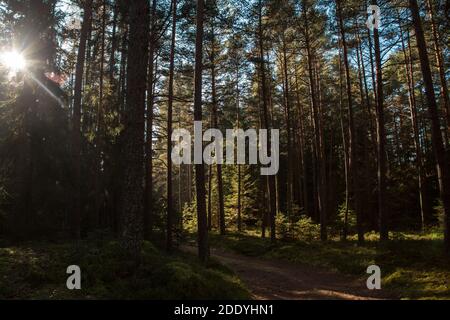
x: 203, y: 247
x: 148, y: 196
x: 76, y: 138
x: 381, y: 138
x: 266, y: 123
x: 436, y: 136
x: 134, y: 132
x: 170, y: 213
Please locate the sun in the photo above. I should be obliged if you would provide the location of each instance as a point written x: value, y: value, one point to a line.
x: 13, y: 60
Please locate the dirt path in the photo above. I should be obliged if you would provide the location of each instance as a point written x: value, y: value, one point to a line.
x: 281, y: 280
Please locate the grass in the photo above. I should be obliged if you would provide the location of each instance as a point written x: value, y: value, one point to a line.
x: 412, y: 265
x: 38, y: 271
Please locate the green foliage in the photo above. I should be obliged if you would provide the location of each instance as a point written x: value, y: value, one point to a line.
x: 306, y: 229
x: 412, y: 266
x: 351, y: 219
x: 190, y: 218
x: 39, y: 272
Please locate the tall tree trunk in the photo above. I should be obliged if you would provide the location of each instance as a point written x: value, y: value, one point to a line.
x: 304, y: 182
x: 210, y: 177
x: 352, y: 159
x: 436, y: 136
x: 203, y: 247
x: 267, y: 123
x: 318, y: 137
x: 345, y: 151
x: 148, y: 196
x: 441, y: 68
x: 381, y: 138
x: 112, y: 59
x: 170, y: 213
x: 288, y: 113
x: 134, y: 132
x: 222, y: 224
x: 238, y: 125
x: 99, y: 125
x: 76, y: 138
x: 408, y: 65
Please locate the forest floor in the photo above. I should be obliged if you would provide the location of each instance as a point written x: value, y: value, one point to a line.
x: 269, y: 279
x: 38, y: 271
x: 412, y: 266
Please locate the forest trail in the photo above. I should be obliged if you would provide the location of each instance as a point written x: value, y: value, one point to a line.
x: 281, y: 280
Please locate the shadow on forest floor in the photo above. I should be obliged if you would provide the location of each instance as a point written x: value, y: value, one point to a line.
x: 413, y: 267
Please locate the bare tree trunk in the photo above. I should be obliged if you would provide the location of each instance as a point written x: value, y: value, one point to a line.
x: 441, y: 68
x: 266, y: 123
x: 408, y: 65
x: 133, y: 192
x: 301, y: 120
x: 210, y: 177
x: 352, y: 159
x: 238, y: 125
x: 436, y: 136
x: 345, y: 148
x: 170, y: 213
x: 290, y: 173
x: 76, y: 138
x: 381, y: 137
x: 148, y: 201
x: 222, y: 225
x: 203, y: 246
x: 318, y: 134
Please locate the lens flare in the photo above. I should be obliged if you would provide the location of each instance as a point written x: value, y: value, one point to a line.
x: 13, y: 60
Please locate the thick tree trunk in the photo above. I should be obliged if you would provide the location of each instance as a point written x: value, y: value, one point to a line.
x: 133, y: 192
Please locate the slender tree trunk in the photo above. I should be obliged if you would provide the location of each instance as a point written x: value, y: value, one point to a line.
x: 345, y: 151
x: 381, y: 137
x: 203, y: 246
x: 288, y: 112
x: 408, y: 65
x: 318, y: 143
x: 170, y: 213
x: 222, y: 224
x: 238, y: 125
x: 436, y: 136
x: 99, y: 125
x: 352, y: 160
x: 441, y: 69
x: 210, y: 177
x: 112, y: 59
x: 148, y: 196
x: 76, y: 138
x: 267, y: 123
x: 301, y: 120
